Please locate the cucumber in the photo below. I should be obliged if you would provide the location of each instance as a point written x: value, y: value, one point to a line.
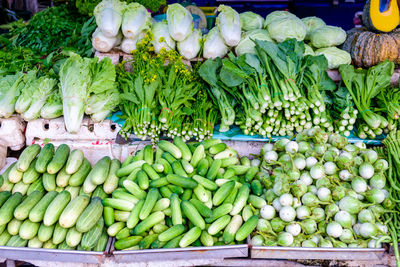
x: 119, y: 194
x: 118, y: 204
x: 158, y: 167
x: 28, y: 229
x: 49, y: 181
x: 201, y: 193
x: 170, y: 148
x: 102, y: 242
x: 229, y: 173
x: 159, y: 182
x: 88, y: 186
x: 167, y: 166
x: 174, y: 243
x: 45, y: 232
x: 192, y: 214
x: 49, y: 245
x: 165, y: 192
x: 17, y: 241
x: 172, y: 232
x: 4, y: 196
x: 219, y: 212
x: 175, y: 189
x: 27, y: 156
x: 201, y: 208
x: 127, y: 242
x: 198, y: 154
x: 125, y: 232
x: 232, y: 196
x: 59, y: 234
x: 37, y: 213
x: 4, y: 238
x: 142, y: 179
x: 62, y: 178
x: 108, y: 216
x: 36, y: 186
x: 223, y: 192
x: 90, y: 239
x: 13, y: 226
x: 202, y: 167
x: 231, y: 161
x: 99, y: 173
x: 111, y: 182
x: 210, y: 142
x: 161, y: 205
x: 79, y: 177
x: 241, y: 199
x: 99, y: 192
x: 181, y: 181
x: 73, y: 210
x: 90, y: 215
x: 59, y: 159
x: 128, y: 160
x: 74, y: 161
x: 149, y: 222
x: 148, y: 154
x: 240, y: 169
x: 149, y: 203
x: 187, y: 194
x: 125, y: 171
x: 176, y: 210
x: 159, y: 228
x: 152, y: 174
x: 206, y: 239
x: 168, y: 157
x: 56, y: 207
x: 185, y: 151
x: 231, y: 229
x: 73, y: 190
x: 251, y: 173
x: 35, y: 243
x: 158, y: 153
x: 134, y: 189
x: 191, y: 236
x: 30, y: 175
x: 257, y: 202
x: 121, y: 216
x: 146, y: 242
x: 14, y: 175
x: 186, y: 166
x: 20, y: 187
x: 245, y: 161
x: 208, y: 184
x: 114, y: 229
x: 64, y: 246
x: 217, y: 148
x: 256, y: 187
x: 178, y: 168
x: 44, y: 158
x: 219, y: 224
x: 21, y: 212
x: 133, y: 218
x: 247, y: 212
x: 7, y: 210
x: 246, y: 229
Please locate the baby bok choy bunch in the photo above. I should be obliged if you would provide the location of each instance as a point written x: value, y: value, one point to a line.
x: 322, y: 191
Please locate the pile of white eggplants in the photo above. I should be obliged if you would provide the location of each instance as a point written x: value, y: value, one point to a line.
x: 321, y: 191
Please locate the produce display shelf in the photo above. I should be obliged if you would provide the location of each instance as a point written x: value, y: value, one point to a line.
x: 298, y: 253
x: 54, y: 255
x: 177, y: 254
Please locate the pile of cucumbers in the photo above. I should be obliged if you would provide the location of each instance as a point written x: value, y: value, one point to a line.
x: 53, y: 199
x: 180, y: 195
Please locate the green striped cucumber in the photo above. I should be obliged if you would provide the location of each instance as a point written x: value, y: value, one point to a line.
x: 175, y: 189
x: 125, y: 232
x: 257, y: 202
x: 45, y: 233
x: 192, y: 214
x: 142, y: 179
x: 191, y: 236
x: 4, y: 238
x: 7, y: 185
x: 217, y: 148
x: 13, y: 226
x: 49, y: 181
x: 232, y: 196
x: 219, y: 224
x: 125, y: 171
x: 49, y: 245
x: 166, y: 165
x: 82, y: 193
x: 251, y: 173
x: 174, y: 243
x: 36, y: 186
x: 4, y: 196
x: 207, y: 183
x: 128, y: 160
x: 115, y: 228
x: 210, y: 142
x: 14, y: 175
x: 256, y: 187
x: 186, y: 153
x: 178, y: 168
x: 187, y: 167
x: 73, y: 237
x: 28, y: 229
x: 247, y: 212
x: 245, y: 161
x: 111, y: 183
x: 198, y: 154
x: 121, y: 216
x: 201, y: 208
x: 201, y: 193
x: 148, y: 154
x: 168, y: 157
x: 176, y: 210
x: 134, y: 189
x: 151, y: 173
x: 72, y: 211
x: 206, y: 239
x: 74, y: 161
x: 170, y: 148
x: 88, y: 186
x: 102, y: 242
x: 56, y: 207
x: 159, y: 228
x: 149, y: 222
x: 59, y: 159
x: 37, y: 213
x: 7, y: 210
x: 158, y: 167
x: 158, y: 153
x: 161, y: 204
x: 44, y: 158
x: 133, y: 218
x: 159, y: 182
x: 202, y: 167
x: 2, y: 228
x: 187, y: 194
x: 79, y: 177
x: 213, y: 170
x: 232, y: 228
x: 30, y: 175
x: 172, y: 232
x: 127, y: 242
x: 89, y: 239
x: 118, y: 204
x: 157, y: 244
x: 108, y: 216
x: 99, y: 192
x: 181, y: 181
x: 64, y: 246
x: 73, y: 190
x: 27, y: 156
x: 90, y: 215
x: 35, y: 243
x: 165, y: 192
x: 223, y: 192
x: 219, y: 212
x: 21, y: 212
x: 146, y: 242
x: 17, y: 241
x: 62, y: 178
x: 149, y: 203
x: 246, y: 228
x: 119, y: 194
x: 99, y: 173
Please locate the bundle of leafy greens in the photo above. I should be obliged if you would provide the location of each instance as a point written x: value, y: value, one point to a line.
x: 10, y: 89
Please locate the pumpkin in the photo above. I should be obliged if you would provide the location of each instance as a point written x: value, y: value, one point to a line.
x: 385, y: 21
x: 368, y: 48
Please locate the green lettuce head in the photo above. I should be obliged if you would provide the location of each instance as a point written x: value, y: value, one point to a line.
x: 335, y: 56
x: 327, y: 36
x: 247, y: 45
x: 287, y: 28
x: 251, y: 21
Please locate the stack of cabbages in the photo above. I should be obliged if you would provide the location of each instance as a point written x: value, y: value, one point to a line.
x: 322, y: 191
